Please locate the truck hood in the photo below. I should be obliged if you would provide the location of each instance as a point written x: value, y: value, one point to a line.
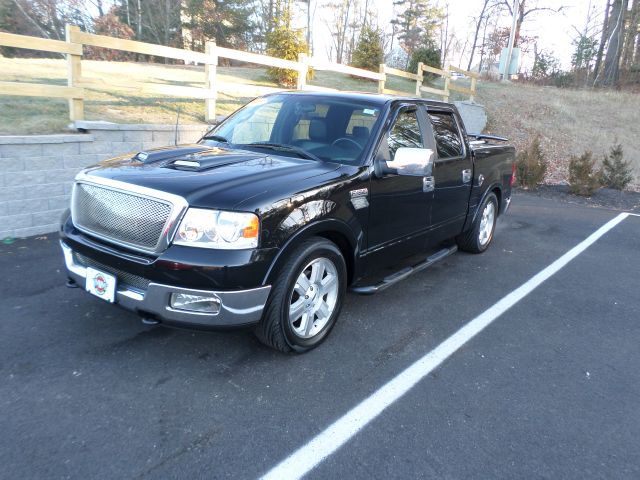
x: 214, y: 177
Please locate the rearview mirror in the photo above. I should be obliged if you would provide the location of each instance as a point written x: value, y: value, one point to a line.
x: 416, y: 162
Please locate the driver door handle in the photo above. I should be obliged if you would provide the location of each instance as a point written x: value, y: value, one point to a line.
x: 428, y: 184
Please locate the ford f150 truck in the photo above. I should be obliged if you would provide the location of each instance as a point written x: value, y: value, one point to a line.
x: 279, y: 210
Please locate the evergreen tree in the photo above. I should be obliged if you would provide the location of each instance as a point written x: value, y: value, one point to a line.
x: 429, y: 55
x: 227, y: 22
x: 616, y: 173
x: 417, y: 23
x: 285, y: 42
x: 368, y: 53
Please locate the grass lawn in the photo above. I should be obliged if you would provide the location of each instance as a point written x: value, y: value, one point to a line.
x: 569, y: 121
x: 30, y: 115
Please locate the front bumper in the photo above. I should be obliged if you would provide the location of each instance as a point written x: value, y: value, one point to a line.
x: 237, y: 308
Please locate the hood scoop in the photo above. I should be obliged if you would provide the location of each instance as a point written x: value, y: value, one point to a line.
x: 167, y: 153
x: 212, y: 158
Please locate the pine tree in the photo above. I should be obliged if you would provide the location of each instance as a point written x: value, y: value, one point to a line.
x: 531, y: 165
x: 616, y: 173
x: 285, y: 42
x: 368, y: 53
x: 583, y: 179
x: 417, y: 23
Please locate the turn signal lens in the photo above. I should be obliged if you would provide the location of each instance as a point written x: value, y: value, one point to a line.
x: 251, y: 230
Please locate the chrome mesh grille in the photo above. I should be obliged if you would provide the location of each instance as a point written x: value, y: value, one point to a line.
x: 119, y: 216
x: 125, y: 278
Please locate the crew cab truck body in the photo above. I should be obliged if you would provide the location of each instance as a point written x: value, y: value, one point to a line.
x: 279, y: 210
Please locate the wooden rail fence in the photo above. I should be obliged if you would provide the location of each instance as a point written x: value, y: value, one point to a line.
x: 75, y: 40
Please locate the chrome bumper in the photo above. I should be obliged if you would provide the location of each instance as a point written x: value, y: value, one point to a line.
x: 241, y: 307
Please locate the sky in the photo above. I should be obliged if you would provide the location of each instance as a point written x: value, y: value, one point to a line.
x: 554, y: 30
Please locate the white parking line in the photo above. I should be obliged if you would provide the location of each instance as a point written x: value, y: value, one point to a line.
x: 307, y: 457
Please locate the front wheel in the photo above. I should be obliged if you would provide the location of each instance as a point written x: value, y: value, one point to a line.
x: 306, y: 298
x: 478, y: 238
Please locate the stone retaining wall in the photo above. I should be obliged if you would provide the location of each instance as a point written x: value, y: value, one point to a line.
x: 37, y: 171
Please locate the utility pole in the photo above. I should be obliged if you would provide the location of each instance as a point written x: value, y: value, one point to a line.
x: 512, y: 38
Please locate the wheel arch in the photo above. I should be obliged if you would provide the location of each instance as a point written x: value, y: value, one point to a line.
x: 333, y: 230
x: 495, y: 188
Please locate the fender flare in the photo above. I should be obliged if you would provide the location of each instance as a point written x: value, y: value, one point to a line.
x: 490, y: 189
x: 309, y: 230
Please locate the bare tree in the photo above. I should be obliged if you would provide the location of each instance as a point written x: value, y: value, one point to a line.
x: 348, y: 18
x: 526, y: 9
x: 339, y: 26
x: 585, y: 43
x: 479, y: 21
x: 632, y: 34
x: 611, y: 70
x: 603, y: 41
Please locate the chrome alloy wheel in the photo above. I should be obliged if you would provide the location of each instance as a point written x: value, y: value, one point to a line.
x: 313, y: 298
x: 487, y: 223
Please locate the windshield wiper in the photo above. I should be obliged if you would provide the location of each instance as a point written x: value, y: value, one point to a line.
x: 280, y: 146
x: 217, y: 138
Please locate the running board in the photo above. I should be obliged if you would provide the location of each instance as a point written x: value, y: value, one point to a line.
x: 404, y: 273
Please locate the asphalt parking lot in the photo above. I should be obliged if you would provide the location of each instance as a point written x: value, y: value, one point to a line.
x: 549, y: 389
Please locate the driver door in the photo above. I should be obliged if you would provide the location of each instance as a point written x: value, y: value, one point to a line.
x: 400, y: 211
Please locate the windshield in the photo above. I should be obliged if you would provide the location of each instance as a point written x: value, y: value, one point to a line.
x: 306, y: 126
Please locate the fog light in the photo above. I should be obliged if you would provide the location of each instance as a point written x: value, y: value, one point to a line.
x: 195, y: 303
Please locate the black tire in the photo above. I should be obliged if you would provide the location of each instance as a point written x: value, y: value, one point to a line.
x: 470, y: 241
x: 275, y: 329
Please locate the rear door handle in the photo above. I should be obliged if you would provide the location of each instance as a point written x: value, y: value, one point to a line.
x: 466, y: 176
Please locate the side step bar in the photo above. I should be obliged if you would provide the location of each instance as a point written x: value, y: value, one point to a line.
x: 404, y: 273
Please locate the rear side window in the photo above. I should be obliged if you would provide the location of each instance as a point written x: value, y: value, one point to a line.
x: 445, y: 129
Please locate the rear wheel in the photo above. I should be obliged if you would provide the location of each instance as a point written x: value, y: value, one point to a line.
x: 306, y: 298
x: 478, y: 238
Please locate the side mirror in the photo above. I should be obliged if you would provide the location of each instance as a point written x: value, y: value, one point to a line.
x: 416, y: 162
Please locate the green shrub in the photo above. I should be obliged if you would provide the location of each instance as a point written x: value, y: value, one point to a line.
x: 615, y: 173
x: 429, y: 55
x: 368, y: 53
x: 531, y: 165
x: 583, y: 179
x: 285, y: 42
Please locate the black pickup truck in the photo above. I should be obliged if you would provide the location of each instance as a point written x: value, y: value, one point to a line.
x: 275, y: 213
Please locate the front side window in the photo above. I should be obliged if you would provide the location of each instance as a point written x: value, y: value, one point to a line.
x: 445, y: 129
x: 405, y: 132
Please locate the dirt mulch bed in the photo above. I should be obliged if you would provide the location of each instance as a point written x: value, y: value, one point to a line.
x: 604, y: 197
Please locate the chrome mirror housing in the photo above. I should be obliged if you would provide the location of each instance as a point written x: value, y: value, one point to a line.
x: 417, y: 162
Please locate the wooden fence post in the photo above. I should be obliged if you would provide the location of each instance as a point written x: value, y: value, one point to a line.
x: 74, y: 72
x: 447, y: 79
x: 303, y: 70
x: 472, y: 98
x: 420, y: 79
x: 382, y: 80
x: 210, y: 70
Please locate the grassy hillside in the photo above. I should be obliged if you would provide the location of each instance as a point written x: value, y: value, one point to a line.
x: 569, y: 121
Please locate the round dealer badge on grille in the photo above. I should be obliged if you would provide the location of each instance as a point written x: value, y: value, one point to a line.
x: 100, y: 284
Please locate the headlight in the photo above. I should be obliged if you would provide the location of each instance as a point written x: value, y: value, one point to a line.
x: 216, y: 229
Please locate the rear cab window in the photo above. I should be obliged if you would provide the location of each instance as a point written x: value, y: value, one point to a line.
x: 449, y: 142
